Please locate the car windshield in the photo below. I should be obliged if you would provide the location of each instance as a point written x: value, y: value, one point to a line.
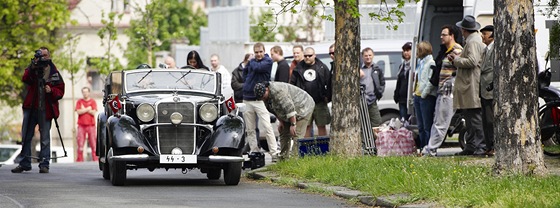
x: 180, y: 80
x: 6, y: 153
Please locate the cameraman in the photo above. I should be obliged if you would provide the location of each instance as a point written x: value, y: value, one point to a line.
x: 42, y: 79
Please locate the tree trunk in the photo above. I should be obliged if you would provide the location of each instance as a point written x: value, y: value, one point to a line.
x: 345, y: 126
x: 517, y: 136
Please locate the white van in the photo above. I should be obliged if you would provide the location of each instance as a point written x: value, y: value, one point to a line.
x: 431, y: 15
x: 387, y: 55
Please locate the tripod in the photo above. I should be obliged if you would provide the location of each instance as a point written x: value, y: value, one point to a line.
x: 41, y: 117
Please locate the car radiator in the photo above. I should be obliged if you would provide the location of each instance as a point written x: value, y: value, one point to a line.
x: 171, y: 136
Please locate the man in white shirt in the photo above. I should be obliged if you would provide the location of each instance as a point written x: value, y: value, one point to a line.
x: 226, y: 76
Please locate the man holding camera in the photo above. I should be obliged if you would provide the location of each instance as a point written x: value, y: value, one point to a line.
x: 44, y: 88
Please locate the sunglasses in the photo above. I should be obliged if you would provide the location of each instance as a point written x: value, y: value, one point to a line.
x: 331, y: 53
x: 307, y: 56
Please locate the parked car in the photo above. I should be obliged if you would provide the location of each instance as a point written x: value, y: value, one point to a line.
x: 169, y: 118
x: 8, y: 153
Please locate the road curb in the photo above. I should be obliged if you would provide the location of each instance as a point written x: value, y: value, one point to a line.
x: 343, y: 192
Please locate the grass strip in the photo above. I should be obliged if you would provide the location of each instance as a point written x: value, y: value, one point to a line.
x: 453, y: 181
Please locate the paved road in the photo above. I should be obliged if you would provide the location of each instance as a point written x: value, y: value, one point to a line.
x: 81, y: 185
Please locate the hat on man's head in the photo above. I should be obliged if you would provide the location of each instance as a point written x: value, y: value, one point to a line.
x: 407, y: 46
x: 260, y: 89
x: 468, y: 23
x: 488, y: 28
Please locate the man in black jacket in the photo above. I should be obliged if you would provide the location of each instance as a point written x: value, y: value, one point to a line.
x: 314, y: 77
x: 283, y: 69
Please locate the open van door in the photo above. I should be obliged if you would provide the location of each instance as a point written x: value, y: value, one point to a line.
x: 431, y: 15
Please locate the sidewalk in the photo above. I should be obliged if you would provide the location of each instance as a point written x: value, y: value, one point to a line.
x: 552, y: 163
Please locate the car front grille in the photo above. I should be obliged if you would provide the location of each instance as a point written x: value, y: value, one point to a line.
x: 176, y: 136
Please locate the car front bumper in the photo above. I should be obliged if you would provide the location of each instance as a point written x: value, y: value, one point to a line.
x: 199, y: 159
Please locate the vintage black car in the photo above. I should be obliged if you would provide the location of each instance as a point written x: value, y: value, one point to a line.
x: 168, y: 118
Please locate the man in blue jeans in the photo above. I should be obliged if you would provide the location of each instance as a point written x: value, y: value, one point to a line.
x: 44, y: 88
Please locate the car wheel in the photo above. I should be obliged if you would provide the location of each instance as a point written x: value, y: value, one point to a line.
x: 462, y: 141
x: 387, y: 117
x: 117, y: 171
x: 105, y: 167
x: 214, y: 174
x: 232, y: 173
x: 106, y: 172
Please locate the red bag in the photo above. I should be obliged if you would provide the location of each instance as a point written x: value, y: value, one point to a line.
x: 395, y: 142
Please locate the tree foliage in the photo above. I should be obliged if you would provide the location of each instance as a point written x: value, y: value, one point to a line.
x: 108, y: 35
x: 259, y: 31
x: 552, y: 9
x: 73, y: 60
x: 24, y: 27
x: 162, y: 23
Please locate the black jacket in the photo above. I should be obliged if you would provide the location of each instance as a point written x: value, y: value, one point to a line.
x: 434, y: 80
x: 237, y: 83
x: 282, y: 72
x: 401, y: 89
x: 323, y: 76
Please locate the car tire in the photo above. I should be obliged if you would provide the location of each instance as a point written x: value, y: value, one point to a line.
x: 387, y: 117
x: 214, y: 174
x: 105, y: 167
x: 232, y: 173
x: 106, y: 171
x: 117, y: 171
x: 462, y: 141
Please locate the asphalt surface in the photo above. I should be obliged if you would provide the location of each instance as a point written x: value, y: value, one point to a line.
x: 81, y: 185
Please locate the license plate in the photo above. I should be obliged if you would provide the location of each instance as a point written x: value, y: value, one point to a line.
x: 177, y: 159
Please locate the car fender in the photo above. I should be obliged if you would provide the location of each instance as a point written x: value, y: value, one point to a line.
x: 229, y: 132
x: 124, y: 133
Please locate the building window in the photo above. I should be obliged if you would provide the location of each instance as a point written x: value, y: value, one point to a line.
x: 95, y: 80
x: 120, y: 6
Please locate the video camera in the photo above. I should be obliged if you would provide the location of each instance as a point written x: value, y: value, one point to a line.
x: 38, y: 61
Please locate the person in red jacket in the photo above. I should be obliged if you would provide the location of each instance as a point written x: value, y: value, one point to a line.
x: 45, y: 87
x: 86, y: 109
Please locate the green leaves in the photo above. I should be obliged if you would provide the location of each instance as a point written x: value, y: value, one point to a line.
x: 108, y: 35
x: 24, y: 27
x: 162, y: 23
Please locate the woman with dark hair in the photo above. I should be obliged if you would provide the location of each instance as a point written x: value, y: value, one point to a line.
x: 194, y: 61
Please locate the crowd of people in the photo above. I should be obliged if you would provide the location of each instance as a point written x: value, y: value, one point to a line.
x: 459, y: 78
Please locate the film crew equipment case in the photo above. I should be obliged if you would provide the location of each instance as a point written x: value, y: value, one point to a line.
x: 256, y: 160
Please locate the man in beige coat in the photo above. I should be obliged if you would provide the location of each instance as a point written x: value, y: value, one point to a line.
x: 466, y: 94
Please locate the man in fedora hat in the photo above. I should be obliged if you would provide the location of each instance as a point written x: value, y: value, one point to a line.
x: 466, y: 95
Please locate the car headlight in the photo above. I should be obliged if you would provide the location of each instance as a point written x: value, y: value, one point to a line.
x: 145, y: 112
x: 176, y: 118
x: 208, y: 112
